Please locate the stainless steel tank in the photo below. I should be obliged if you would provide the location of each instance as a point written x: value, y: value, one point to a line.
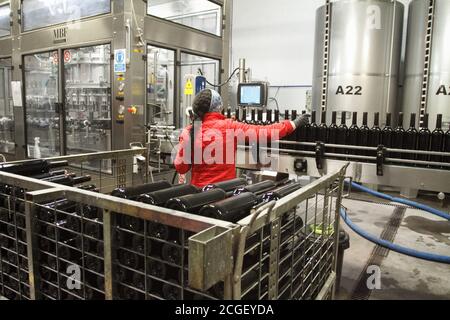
x: 439, y: 81
x: 364, y: 57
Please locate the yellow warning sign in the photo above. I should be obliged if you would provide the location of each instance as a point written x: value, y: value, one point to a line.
x: 189, y: 89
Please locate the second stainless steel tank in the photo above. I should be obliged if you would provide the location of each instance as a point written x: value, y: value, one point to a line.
x: 364, y: 57
x: 439, y: 81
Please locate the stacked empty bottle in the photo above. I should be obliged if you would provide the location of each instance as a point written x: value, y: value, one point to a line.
x: 152, y: 258
x: 50, y: 228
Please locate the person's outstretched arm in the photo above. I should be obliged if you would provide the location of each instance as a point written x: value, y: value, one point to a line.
x: 183, y: 159
x: 273, y: 131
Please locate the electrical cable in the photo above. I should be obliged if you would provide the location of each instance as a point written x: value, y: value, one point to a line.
x: 389, y: 245
x: 276, y: 102
x: 222, y: 84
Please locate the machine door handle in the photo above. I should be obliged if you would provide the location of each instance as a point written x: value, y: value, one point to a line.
x: 58, y: 107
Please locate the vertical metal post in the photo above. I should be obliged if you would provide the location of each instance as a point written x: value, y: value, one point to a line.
x: 32, y: 248
x: 242, y: 78
x: 274, y: 256
x: 427, y: 61
x: 108, y: 254
x: 326, y: 55
x: 337, y: 226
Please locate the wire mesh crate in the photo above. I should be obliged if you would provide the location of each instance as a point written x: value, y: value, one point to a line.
x: 288, y: 248
x: 76, y: 244
x: 104, y: 170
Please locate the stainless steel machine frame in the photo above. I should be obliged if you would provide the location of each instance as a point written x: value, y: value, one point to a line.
x: 283, y: 233
x: 128, y: 27
x: 399, y: 173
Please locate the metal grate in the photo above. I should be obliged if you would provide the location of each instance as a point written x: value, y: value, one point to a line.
x: 291, y: 250
x: 13, y: 245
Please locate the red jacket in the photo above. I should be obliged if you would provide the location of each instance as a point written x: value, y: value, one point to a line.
x: 218, y: 144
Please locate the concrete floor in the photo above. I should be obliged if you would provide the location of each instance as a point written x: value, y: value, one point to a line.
x: 402, y: 277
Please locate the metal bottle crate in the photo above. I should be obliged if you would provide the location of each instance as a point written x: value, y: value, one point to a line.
x: 283, y: 250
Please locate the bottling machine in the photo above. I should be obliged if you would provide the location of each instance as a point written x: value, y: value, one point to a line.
x: 92, y: 77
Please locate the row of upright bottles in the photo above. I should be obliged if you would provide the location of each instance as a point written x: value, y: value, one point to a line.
x: 390, y: 136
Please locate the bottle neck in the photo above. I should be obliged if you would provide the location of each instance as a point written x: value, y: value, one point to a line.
x: 365, y: 119
x: 400, y: 120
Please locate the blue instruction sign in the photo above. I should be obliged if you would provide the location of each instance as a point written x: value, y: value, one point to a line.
x: 120, y: 63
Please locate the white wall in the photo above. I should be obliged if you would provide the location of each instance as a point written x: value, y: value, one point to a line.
x: 277, y: 40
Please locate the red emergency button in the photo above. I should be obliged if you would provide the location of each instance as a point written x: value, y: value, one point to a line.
x: 132, y: 110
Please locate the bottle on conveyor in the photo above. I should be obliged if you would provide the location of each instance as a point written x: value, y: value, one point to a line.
x: 256, y: 188
x: 260, y: 120
x: 269, y: 117
x: 276, y: 118
x: 244, y: 115
x: 253, y: 117
x: 192, y: 203
x: 424, y: 139
x: 68, y: 180
x: 342, y: 133
x: 410, y: 138
x: 313, y: 130
x: 229, y: 113
x: 375, y: 134
x: 160, y: 198
x: 333, y: 132
x: 437, y: 139
x: 387, y: 133
x: 252, y: 143
x: 231, y: 209
x: 294, y: 136
x: 447, y: 147
x: 131, y: 193
x: 322, y: 130
x: 302, y: 134
x: 284, y: 146
x: 268, y: 122
x: 353, y: 133
x: 398, y: 137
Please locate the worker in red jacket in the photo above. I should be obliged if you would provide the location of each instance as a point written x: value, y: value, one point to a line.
x: 213, y: 139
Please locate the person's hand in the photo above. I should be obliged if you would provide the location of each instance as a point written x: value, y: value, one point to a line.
x: 181, y: 179
x: 301, y: 121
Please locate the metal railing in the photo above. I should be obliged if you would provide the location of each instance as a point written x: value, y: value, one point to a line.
x: 60, y: 242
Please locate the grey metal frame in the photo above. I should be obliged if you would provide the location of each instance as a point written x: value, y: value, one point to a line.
x: 396, y: 174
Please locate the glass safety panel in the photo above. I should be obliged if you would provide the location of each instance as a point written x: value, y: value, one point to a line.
x: 43, y: 13
x: 160, y: 86
x: 87, y: 87
x: 41, y: 104
x: 5, y: 27
x: 7, y: 141
x: 198, y: 14
x: 191, y: 67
